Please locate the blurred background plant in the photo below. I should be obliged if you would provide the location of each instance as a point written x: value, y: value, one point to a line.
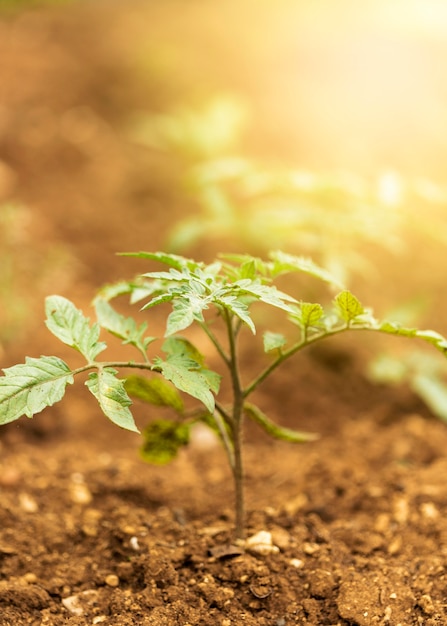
x: 341, y: 219
x: 26, y: 272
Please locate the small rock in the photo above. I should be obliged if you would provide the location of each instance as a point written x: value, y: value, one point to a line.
x: 426, y: 604
x: 27, y: 503
x: 112, y: 580
x: 78, y: 603
x: 281, y: 538
x: 310, y: 548
x: 261, y: 543
x: 429, y: 510
x: 80, y: 493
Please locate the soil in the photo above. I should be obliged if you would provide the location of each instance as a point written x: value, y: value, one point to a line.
x: 89, y: 533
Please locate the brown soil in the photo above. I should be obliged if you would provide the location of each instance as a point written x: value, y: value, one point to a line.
x: 89, y: 534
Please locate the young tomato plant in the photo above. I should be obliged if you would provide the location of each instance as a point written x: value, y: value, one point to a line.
x: 229, y: 286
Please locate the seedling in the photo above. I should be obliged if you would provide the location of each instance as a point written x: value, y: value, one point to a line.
x: 220, y: 299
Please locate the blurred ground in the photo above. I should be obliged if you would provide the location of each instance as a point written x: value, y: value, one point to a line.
x: 326, y: 87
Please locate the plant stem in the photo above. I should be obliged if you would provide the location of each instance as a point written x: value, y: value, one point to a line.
x: 238, y: 404
x: 283, y: 356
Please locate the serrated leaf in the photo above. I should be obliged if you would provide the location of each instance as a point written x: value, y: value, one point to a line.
x: 162, y: 441
x: 123, y: 327
x: 348, y: 306
x: 180, y: 346
x: 237, y: 308
x: 248, y: 269
x: 283, y: 263
x: 112, y: 397
x: 181, y: 317
x: 173, y: 260
x: 308, y: 315
x: 187, y: 376
x: 268, y: 294
x: 27, y: 388
x: 273, y: 341
x: 114, y: 290
x: 279, y: 432
x: 156, y: 391
x: 70, y: 325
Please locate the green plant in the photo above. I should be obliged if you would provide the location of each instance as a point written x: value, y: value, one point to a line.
x: 230, y: 288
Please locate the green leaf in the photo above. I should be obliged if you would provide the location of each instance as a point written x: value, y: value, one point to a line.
x: 183, y: 348
x: 273, y: 341
x: 268, y: 294
x: 173, y: 260
x: 187, y: 373
x: 430, y: 336
x: 123, y: 327
x: 248, y: 269
x: 114, y: 290
x: 182, y: 374
x: 308, y: 315
x: 182, y: 316
x: 26, y: 389
x: 434, y: 393
x: 348, y: 306
x: 279, y: 432
x: 112, y: 397
x: 162, y: 441
x: 69, y: 325
x: 284, y: 263
x: 180, y: 346
x: 156, y: 391
x: 236, y: 307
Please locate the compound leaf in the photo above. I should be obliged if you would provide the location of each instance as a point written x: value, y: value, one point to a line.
x: 123, y: 327
x: 27, y: 388
x: 70, y: 325
x: 112, y: 397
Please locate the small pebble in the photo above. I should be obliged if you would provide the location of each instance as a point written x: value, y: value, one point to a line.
x: 27, y: 503
x: 112, y: 580
x: 30, y: 578
x: 80, y: 493
x: 310, y: 548
x: 261, y: 543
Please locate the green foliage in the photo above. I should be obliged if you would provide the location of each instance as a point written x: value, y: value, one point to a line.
x: 28, y: 388
x: 425, y: 373
x: 221, y: 294
x: 162, y: 441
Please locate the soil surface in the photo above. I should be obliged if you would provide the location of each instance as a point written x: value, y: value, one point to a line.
x: 89, y: 533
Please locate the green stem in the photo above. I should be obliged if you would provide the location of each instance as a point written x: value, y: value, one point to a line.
x: 236, y: 425
x: 222, y: 418
x: 284, y: 355
x: 215, y: 343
